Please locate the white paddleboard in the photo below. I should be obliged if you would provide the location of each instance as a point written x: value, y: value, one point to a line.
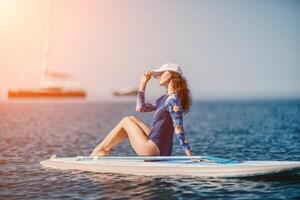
x: 172, y: 165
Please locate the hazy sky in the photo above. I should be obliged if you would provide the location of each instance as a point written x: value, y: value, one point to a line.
x: 227, y: 49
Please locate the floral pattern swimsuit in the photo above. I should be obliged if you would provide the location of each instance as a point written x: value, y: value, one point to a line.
x: 167, y: 120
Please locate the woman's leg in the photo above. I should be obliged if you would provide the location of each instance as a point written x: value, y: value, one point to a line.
x: 143, y: 126
x: 128, y: 128
x: 116, y: 136
x: 122, y: 135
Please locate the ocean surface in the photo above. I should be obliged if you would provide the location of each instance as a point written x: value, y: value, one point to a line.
x: 241, y: 130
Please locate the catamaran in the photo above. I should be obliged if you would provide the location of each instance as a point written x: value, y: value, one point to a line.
x: 53, y: 84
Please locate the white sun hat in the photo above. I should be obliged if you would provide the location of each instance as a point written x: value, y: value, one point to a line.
x: 167, y: 66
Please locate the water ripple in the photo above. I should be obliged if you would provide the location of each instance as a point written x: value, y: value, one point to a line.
x: 246, y: 130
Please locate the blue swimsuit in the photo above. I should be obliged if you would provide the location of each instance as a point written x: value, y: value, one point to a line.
x: 168, y: 118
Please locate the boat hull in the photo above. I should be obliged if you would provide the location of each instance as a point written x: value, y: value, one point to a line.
x: 16, y: 94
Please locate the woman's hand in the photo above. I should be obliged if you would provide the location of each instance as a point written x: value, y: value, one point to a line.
x: 144, y: 80
x: 196, y: 160
x: 188, y: 152
x: 146, y: 77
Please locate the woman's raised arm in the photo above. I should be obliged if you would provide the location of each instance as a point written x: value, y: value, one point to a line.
x: 141, y: 105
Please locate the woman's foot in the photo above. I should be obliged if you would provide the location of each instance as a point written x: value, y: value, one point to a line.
x: 100, y: 153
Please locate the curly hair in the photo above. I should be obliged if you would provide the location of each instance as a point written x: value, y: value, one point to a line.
x: 183, y: 91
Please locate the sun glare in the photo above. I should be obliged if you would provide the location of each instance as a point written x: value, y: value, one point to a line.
x: 6, y: 5
x: 7, y: 10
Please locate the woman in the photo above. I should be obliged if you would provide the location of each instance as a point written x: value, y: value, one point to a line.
x: 168, y: 118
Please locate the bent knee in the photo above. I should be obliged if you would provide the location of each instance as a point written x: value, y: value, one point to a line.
x: 132, y: 117
x: 126, y: 119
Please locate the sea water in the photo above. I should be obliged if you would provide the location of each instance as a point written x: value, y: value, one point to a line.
x: 241, y: 130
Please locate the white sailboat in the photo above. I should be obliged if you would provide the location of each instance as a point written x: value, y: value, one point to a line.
x: 126, y: 91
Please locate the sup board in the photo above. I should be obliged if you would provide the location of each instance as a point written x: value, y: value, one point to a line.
x: 203, y: 166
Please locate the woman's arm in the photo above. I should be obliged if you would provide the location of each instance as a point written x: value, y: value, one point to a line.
x: 141, y: 106
x: 188, y: 152
x: 173, y: 105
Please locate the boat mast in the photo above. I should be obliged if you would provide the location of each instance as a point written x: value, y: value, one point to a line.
x: 46, y: 44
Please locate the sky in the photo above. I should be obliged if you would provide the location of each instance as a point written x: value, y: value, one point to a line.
x: 226, y: 49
